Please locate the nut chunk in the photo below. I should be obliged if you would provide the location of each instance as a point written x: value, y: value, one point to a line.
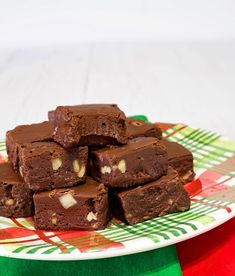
x: 81, y: 207
x: 94, y: 124
x: 141, y: 160
x: 161, y: 197
x: 16, y: 200
x: 20, y: 135
x: 46, y: 165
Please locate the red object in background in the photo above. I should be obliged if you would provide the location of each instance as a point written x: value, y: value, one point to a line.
x: 212, y: 253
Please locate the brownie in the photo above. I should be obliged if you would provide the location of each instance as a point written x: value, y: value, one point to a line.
x: 47, y: 165
x: 83, y: 207
x: 22, y: 134
x: 93, y: 124
x: 181, y: 159
x: 51, y: 115
x: 143, y: 159
x: 158, y: 198
x: 16, y: 199
x: 139, y: 128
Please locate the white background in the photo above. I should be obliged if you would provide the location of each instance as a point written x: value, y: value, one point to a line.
x: 173, y: 61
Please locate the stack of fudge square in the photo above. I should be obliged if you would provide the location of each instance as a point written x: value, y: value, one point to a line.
x: 88, y: 163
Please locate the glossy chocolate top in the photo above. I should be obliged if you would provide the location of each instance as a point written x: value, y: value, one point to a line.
x: 139, y: 128
x: 96, y: 110
x: 135, y: 145
x: 32, y: 133
x: 37, y: 148
x: 8, y: 175
x: 89, y: 189
x: 175, y: 149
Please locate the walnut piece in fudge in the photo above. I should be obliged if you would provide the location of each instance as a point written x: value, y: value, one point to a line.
x: 47, y: 165
x: 20, y: 135
x: 143, y: 159
x: 180, y: 159
x: 81, y: 207
x: 139, y: 128
x: 94, y: 124
x: 16, y: 199
x: 158, y: 198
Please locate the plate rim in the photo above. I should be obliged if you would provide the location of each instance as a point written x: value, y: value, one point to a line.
x: 116, y: 252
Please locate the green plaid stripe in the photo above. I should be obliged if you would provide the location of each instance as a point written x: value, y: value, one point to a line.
x: 167, y: 226
x: 34, y: 248
x: 2, y: 146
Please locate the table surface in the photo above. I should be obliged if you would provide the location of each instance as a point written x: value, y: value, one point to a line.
x: 173, y: 61
x: 46, y: 22
x: 189, y: 82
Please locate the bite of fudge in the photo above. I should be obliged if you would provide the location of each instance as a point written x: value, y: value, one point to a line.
x: 84, y: 206
x: 93, y: 124
x: 88, y: 163
x: 24, y: 134
x: 181, y: 159
x: 47, y: 165
x: 138, y: 128
x: 142, y: 160
x: 163, y: 196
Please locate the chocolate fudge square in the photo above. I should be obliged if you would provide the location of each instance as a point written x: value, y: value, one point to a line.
x: 181, y: 159
x: 47, y: 165
x: 20, y: 135
x: 93, y: 124
x: 51, y: 115
x: 139, y: 128
x: 83, y: 207
x: 142, y: 160
x: 16, y: 199
x: 158, y: 198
